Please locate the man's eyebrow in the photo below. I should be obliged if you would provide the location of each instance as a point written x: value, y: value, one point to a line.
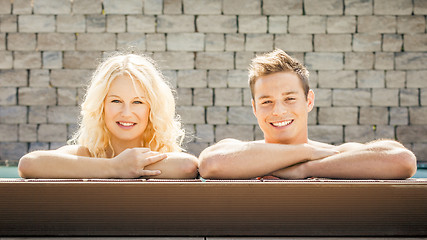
x: 283, y: 94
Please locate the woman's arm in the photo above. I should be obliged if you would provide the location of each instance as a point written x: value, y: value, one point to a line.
x: 74, y: 162
x: 234, y: 159
x: 176, y: 165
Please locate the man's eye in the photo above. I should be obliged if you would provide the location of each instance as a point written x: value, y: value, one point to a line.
x: 266, y: 102
x: 290, y: 99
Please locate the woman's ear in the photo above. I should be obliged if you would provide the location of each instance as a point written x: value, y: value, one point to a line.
x: 310, y: 100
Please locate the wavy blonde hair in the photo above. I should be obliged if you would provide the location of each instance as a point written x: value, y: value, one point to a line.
x: 163, y: 132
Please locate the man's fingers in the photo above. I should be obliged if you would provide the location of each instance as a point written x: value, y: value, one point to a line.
x: 150, y: 172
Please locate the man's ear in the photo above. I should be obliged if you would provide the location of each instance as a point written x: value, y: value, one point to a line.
x: 253, y: 106
x: 310, y: 100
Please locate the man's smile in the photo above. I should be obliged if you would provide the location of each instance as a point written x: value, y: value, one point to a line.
x: 281, y: 123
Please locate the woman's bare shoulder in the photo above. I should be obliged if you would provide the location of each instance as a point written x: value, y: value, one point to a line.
x: 77, y: 150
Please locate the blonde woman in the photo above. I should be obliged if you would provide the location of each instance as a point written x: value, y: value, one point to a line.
x: 128, y: 129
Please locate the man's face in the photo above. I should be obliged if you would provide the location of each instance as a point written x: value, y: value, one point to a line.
x: 281, y: 108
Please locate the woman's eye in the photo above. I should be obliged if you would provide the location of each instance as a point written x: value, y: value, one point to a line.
x: 138, y: 102
x: 115, y: 101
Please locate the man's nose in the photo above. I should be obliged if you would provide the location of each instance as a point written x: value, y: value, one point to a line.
x: 279, y: 109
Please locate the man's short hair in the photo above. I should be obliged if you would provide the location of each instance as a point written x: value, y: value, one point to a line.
x: 274, y: 62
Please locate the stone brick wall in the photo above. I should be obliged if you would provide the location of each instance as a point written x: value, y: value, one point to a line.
x: 367, y: 58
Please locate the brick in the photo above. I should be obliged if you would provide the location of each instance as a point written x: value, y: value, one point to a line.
x: 418, y: 115
x: 234, y: 42
x: 131, y: 40
x: 312, y: 117
x: 384, y: 60
x: 204, y: 133
x: 2, y: 41
x: 119, y: 7
x: 37, y: 114
x: 370, y: 79
x: 156, y: 42
x: 324, y: 61
x: 71, y: 129
x: 327, y: 134
x: 36, y: 23
x: 214, y: 42
x: 172, y: 6
x: 27, y: 132
x: 116, y: 23
x: 141, y: 24
x: 8, y: 23
x: 338, y: 116
x: 373, y: 115
x: 259, y: 42
x: 56, y: 145
x: 341, y: 24
x: 12, y: 150
x: 282, y: 7
x: 416, y: 79
x: 385, y: 97
x: 243, y: 59
x: 69, y: 77
x: 35, y: 146
x: 214, y: 60
x: 366, y: 42
x: 420, y: 7
x: 420, y: 151
x: 332, y: 42
x: 6, y: 60
x: 174, y: 60
x: 71, y: 23
x: 351, y: 97
x: 56, y: 41
x: 294, y: 42
x: 39, y: 78
x: 52, y: 133
x: 392, y: 43
x: 392, y: 7
x: 184, y: 97
x: 37, y: 96
x: 7, y: 96
x: 278, y: 24
x: 52, y: 60
x: 87, y: 6
x: 192, y: 78
x: 359, y: 133
x: 359, y: 60
x: 216, y: 115
x: 409, y: 97
x: 96, y: 23
x: 399, y: 116
x: 27, y: 60
x: 384, y: 132
x: 22, y: 7
x: 217, y: 78
x: 202, y: 7
x: 241, y: 115
x: 358, y: 7
x: 21, y: 41
x: 237, y: 79
x: 242, y: 7
x: 307, y: 24
x: 191, y: 114
x: 411, y: 24
x: 67, y: 96
x: 323, y: 97
x: 410, y: 61
x: 313, y: 78
x: 13, y: 114
x: 217, y: 24
x: 247, y: 97
x: 175, y: 23
x: 240, y: 132
x: 52, y: 6
x: 395, y: 79
x: 323, y: 7
x: 415, y: 43
x: 203, y: 97
x: 185, y: 41
x: 383, y: 24
x: 337, y: 79
x: 81, y: 60
x: 252, y: 24
x: 195, y: 148
x: 96, y: 42
x: 62, y: 114
x: 228, y: 97
x: 153, y: 7
x: 13, y: 78
x: 416, y: 133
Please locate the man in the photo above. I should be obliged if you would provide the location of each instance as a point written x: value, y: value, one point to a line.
x: 281, y: 101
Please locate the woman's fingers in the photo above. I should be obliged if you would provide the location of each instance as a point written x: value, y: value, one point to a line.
x: 156, y: 157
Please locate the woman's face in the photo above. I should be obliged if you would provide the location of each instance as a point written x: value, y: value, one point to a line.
x: 126, y: 111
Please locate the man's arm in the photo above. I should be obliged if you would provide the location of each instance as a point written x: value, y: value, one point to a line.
x: 383, y: 159
x: 176, y: 165
x: 234, y: 159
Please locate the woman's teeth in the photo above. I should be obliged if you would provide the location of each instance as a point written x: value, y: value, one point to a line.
x: 281, y: 124
x: 126, y: 124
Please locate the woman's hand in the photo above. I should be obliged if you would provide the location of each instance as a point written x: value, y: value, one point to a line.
x: 131, y: 162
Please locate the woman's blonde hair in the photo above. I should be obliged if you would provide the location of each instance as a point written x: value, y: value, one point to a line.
x: 163, y: 132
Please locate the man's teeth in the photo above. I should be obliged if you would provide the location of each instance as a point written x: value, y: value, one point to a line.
x: 281, y: 124
x: 126, y: 124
